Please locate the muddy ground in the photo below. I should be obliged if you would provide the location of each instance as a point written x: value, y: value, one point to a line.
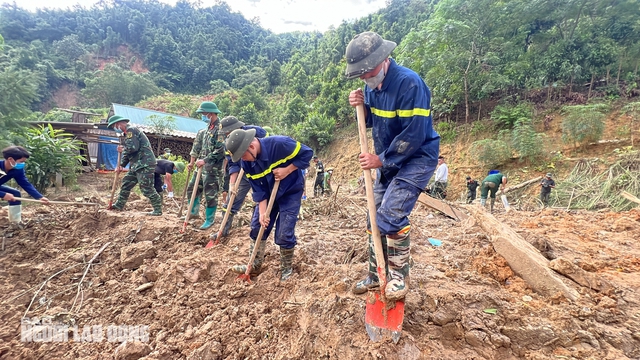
x: 195, y: 309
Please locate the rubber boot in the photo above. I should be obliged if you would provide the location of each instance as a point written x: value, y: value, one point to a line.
x: 195, y: 209
x: 493, y: 201
x: 257, y: 262
x: 483, y: 203
x: 286, y: 262
x: 157, y: 210
x: 210, y: 214
x: 227, y: 226
x: 399, y: 246
x: 371, y: 281
x: 15, y: 214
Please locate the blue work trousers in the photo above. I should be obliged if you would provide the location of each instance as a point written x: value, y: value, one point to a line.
x: 284, y: 216
x: 396, y: 197
x: 12, y: 191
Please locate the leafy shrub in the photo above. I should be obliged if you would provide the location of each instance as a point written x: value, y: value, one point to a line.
x: 480, y: 127
x: 507, y: 115
x: 52, y: 151
x: 316, y: 130
x: 490, y: 152
x: 527, y: 143
x: 583, y: 124
x: 447, y: 131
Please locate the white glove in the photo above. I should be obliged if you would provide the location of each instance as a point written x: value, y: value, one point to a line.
x: 170, y: 194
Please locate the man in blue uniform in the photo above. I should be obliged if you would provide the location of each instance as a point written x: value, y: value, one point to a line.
x: 398, y: 108
x: 264, y: 161
x: 12, y: 167
x: 229, y: 124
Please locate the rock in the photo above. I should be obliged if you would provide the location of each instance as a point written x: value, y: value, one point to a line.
x: 443, y: 316
x: 209, y: 351
x: 151, y: 274
x: 132, y: 350
x: 575, y: 273
x: 500, y: 340
x: 194, y: 273
x: 476, y: 338
x: 132, y: 256
x: 145, y: 286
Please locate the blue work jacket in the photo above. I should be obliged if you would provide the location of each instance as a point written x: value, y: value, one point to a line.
x: 21, y: 179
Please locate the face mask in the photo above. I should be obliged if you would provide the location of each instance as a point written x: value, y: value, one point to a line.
x: 19, y: 166
x: 373, y: 82
x: 118, y: 130
x: 175, y: 171
x: 205, y: 118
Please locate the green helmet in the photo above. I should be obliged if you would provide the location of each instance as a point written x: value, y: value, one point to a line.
x: 114, y: 119
x: 208, y: 107
x: 268, y: 130
x: 179, y: 166
x: 366, y: 51
x: 238, y: 142
x: 230, y: 123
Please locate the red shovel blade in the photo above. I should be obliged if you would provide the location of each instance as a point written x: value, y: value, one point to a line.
x: 245, y: 277
x: 383, y: 320
x: 214, y: 241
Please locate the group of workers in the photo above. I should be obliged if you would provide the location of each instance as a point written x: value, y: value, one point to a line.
x: 491, y: 184
x: 397, y: 106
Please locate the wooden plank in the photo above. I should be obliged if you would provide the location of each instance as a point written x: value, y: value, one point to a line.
x: 443, y: 207
x: 524, y: 259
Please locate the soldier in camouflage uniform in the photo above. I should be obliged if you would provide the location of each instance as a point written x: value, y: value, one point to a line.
x: 136, y: 150
x: 207, y: 151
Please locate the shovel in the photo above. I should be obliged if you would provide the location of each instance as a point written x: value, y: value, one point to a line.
x: 193, y: 198
x: 57, y: 202
x: 115, y: 181
x: 184, y: 194
x: 382, y: 318
x: 272, y: 199
x: 505, y: 202
x: 215, y: 237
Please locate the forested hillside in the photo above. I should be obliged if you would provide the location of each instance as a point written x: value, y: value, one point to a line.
x: 473, y: 55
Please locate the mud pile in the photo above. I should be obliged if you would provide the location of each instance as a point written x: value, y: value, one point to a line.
x: 465, y: 302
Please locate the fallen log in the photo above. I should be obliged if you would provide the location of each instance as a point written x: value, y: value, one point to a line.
x: 523, y: 184
x: 524, y: 259
x: 442, y: 207
x: 577, y: 274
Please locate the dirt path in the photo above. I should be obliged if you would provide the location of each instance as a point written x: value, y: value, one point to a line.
x: 195, y: 309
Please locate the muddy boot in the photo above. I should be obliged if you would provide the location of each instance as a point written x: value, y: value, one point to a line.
x: 210, y: 214
x: 399, y: 246
x: 257, y: 262
x: 483, y: 203
x: 286, y: 262
x: 493, y: 201
x: 195, y: 210
x: 227, y: 226
x: 371, y: 281
x: 15, y: 214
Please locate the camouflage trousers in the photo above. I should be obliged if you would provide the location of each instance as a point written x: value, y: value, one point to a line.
x: 396, y: 251
x: 209, y: 184
x: 144, y: 177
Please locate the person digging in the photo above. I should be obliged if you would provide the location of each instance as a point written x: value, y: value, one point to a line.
x: 490, y: 186
x: 207, y: 152
x: 163, y: 174
x: 265, y: 161
x: 12, y: 167
x: 136, y: 151
x: 228, y: 124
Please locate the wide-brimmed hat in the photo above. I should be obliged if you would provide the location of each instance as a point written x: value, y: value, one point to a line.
x: 230, y: 123
x: 179, y: 166
x: 114, y: 119
x: 208, y: 107
x: 238, y: 142
x: 366, y: 51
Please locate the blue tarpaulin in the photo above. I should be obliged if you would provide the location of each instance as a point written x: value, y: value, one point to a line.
x: 108, y: 154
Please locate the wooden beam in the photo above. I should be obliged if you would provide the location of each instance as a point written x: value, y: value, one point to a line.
x: 442, y: 207
x: 523, y: 184
x: 524, y: 259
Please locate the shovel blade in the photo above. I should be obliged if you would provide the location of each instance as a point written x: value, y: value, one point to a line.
x: 383, y: 320
x: 244, y: 277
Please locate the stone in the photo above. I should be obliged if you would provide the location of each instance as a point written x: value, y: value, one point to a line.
x: 132, y: 256
x: 132, y: 350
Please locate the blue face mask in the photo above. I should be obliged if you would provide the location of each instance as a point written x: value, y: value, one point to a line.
x: 205, y: 118
x: 175, y: 171
x: 19, y: 166
x: 119, y: 131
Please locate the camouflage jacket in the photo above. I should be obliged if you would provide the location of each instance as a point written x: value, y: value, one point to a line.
x: 137, y: 150
x: 209, y: 146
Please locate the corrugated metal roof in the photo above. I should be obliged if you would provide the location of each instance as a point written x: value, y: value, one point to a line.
x: 185, y: 126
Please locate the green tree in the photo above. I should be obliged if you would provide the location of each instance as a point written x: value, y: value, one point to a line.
x: 274, y: 75
x: 583, y: 124
x: 491, y: 152
x: 116, y: 85
x: 527, y: 143
x: 316, y: 130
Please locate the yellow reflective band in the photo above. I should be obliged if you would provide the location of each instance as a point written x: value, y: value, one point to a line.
x: 277, y: 163
x: 401, y: 113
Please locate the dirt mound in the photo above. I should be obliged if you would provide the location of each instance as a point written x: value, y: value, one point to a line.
x: 465, y: 302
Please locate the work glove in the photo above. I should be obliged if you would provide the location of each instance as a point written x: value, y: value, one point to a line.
x: 164, y: 186
x: 170, y: 194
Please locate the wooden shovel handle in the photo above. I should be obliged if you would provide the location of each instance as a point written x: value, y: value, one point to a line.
x: 115, y: 179
x: 371, y: 204
x: 193, y: 198
x: 184, y: 193
x: 232, y: 197
x: 272, y: 199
